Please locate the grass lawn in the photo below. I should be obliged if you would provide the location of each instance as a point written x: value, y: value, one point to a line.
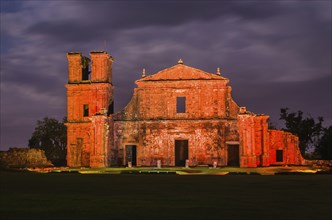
x: 27, y: 195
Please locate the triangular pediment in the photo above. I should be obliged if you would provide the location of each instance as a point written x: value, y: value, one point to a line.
x: 182, y: 72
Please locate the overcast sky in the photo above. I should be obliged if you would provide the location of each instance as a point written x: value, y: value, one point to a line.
x: 275, y: 53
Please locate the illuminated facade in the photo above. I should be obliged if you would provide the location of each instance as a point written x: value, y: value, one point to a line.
x: 178, y: 116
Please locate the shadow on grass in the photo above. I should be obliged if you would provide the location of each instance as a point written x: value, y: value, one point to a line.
x: 75, y: 196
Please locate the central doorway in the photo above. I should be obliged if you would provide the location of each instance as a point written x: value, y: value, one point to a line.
x: 131, y: 154
x: 181, y: 152
x: 233, y: 157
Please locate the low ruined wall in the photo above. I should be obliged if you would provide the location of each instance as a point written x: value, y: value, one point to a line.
x: 23, y: 157
x: 288, y: 144
x: 319, y: 163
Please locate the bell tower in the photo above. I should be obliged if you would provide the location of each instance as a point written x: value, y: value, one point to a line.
x: 89, y: 100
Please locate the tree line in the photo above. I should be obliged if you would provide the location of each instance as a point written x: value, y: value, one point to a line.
x: 315, y: 140
x: 50, y: 135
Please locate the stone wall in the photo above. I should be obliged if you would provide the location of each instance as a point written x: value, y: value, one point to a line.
x: 89, y: 98
x: 155, y: 140
x: 23, y: 157
x: 288, y: 144
x: 78, y: 144
x: 319, y: 163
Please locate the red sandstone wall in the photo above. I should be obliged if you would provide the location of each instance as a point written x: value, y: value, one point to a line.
x: 100, y: 137
x: 89, y: 142
x: 101, y: 67
x: 155, y: 140
x: 78, y: 144
x: 247, y: 140
x: 74, y: 67
x: 88, y: 139
x: 207, y: 95
x: 281, y: 140
x: 203, y: 100
x: 254, y: 140
x: 232, y: 109
x: 157, y: 100
x: 206, y: 124
x: 97, y: 96
x: 261, y: 140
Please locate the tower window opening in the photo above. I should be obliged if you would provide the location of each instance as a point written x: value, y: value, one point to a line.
x: 86, y: 68
x: 110, y: 109
x: 86, y: 110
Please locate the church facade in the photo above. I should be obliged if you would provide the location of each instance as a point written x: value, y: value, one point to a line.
x: 179, y: 116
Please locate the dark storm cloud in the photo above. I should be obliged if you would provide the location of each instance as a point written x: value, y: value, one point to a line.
x: 276, y: 53
x: 10, y: 6
x: 312, y: 97
x: 37, y: 71
x: 62, y: 31
x: 176, y: 13
x: 106, y: 18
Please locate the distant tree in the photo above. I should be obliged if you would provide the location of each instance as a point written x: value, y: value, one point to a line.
x: 271, y: 124
x: 323, y: 148
x: 50, y: 135
x: 306, y: 128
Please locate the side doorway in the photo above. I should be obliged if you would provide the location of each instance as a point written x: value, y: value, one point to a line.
x: 233, y: 155
x: 131, y: 154
x: 181, y: 152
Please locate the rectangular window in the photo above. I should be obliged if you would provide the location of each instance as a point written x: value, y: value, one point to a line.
x: 180, y: 104
x: 86, y: 110
x: 279, y: 156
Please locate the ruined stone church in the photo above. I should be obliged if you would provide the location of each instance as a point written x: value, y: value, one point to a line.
x: 180, y: 115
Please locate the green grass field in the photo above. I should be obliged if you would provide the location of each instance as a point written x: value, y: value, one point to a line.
x: 26, y: 195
